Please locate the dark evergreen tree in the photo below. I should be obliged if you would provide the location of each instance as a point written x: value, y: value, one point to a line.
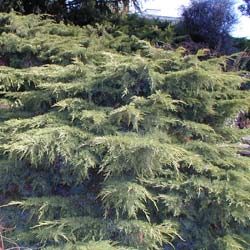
x: 78, y: 11
x: 54, y: 7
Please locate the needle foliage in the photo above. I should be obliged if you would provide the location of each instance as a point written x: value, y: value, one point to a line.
x: 108, y: 148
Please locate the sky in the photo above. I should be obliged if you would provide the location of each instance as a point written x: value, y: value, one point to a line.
x: 172, y: 8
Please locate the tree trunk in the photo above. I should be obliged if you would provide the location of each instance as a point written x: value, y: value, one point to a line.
x: 125, y: 9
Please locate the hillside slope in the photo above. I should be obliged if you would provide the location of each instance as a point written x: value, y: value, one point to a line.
x: 109, y: 143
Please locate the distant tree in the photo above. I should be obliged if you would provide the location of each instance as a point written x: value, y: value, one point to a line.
x: 117, y: 6
x: 126, y: 3
x: 245, y: 8
x: 54, y: 7
x: 78, y: 11
x: 87, y: 11
x: 209, y: 20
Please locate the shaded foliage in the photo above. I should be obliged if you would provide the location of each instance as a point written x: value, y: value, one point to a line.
x: 78, y: 11
x: 210, y: 21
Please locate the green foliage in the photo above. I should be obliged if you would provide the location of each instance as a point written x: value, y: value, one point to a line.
x: 242, y: 43
x: 152, y: 30
x: 125, y: 198
x: 107, y: 142
x: 99, y: 245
